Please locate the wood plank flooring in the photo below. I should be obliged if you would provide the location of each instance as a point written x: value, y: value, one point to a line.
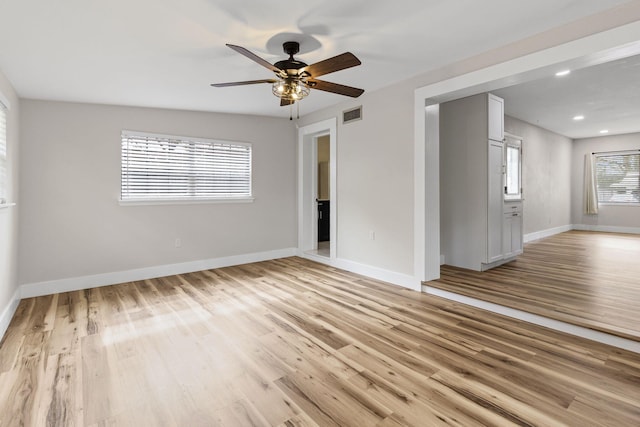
x: 585, y: 278
x: 295, y: 343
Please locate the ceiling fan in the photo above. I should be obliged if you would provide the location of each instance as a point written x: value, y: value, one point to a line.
x: 294, y: 78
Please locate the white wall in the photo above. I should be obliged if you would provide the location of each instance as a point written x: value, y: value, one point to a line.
x: 72, y: 225
x: 546, y: 176
x: 608, y: 216
x: 9, y: 216
x: 375, y: 179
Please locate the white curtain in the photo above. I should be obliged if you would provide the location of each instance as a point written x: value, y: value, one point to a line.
x: 590, y: 186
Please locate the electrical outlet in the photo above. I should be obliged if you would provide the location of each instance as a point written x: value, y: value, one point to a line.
x: 178, y: 243
x: 372, y: 235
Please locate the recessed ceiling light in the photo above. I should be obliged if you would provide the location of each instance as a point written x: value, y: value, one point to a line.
x: 604, y: 131
x: 563, y: 73
x: 578, y: 118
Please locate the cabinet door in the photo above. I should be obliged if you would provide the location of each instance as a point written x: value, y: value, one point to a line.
x: 496, y: 118
x: 494, y: 204
x: 512, y: 234
x: 516, y: 235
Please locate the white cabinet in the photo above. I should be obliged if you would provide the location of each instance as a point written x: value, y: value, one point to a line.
x: 495, y: 117
x: 512, y: 242
x: 494, y: 202
x: 475, y: 232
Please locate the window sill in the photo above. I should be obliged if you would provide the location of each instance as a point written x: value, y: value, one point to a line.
x: 148, y: 202
x: 6, y: 205
x: 620, y: 204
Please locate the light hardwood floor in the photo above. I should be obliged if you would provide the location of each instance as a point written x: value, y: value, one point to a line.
x: 295, y: 343
x: 585, y: 278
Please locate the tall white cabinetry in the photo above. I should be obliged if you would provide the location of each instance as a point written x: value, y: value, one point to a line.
x: 512, y: 228
x: 494, y: 202
x: 478, y: 227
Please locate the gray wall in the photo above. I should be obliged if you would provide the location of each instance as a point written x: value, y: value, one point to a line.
x: 72, y: 224
x: 546, y: 176
x: 375, y: 179
x: 9, y: 216
x: 608, y: 216
x: 463, y: 181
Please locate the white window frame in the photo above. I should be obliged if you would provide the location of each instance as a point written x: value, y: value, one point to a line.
x: 609, y: 154
x: 185, y: 198
x: 514, y: 142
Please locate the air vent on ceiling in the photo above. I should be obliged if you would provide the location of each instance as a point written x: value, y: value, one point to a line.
x: 352, y: 115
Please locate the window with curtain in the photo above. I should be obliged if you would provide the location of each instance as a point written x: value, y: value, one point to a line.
x: 618, y: 177
x: 175, y: 168
x: 4, y: 181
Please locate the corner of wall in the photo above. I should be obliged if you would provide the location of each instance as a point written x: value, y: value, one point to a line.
x: 8, y: 312
x: 9, y: 293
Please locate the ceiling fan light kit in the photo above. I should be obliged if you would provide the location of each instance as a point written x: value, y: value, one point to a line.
x: 295, y: 79
x: 290, y: 90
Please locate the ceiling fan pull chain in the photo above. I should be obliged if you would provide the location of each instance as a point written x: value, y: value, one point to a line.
x: 290, y: 111
x: 298, y: 104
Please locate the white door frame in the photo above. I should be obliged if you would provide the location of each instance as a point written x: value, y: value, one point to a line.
x: 597, y: 48
x: 308, y: 185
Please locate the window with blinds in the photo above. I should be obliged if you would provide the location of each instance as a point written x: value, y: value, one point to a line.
x: 175, y: 168
x: 4, y: 181
x: 618, y: 177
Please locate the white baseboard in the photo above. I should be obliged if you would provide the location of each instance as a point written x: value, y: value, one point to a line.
x: 607, y: 228
x: 400, y: 279
x: 582, y: 227
x: 85, y: 282
x: 536, y: 235
x: 8, y: 312
x: 557, y: 325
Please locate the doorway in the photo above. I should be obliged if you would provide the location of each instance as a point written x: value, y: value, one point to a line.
x: 317, y: 204
x: 323, y: 197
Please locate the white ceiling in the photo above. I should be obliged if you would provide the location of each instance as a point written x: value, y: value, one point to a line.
x: 165, y: 53
x: 607, y: 95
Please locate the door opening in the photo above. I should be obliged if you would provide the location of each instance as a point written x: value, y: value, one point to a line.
x: 323, y: 196
x: 317, y: 207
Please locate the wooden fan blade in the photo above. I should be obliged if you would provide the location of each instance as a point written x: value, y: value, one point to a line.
x: 248, y: 82
x: 331, y: 65
x: 285, y: 102
x: 353, y: 92
x: 255, y: 58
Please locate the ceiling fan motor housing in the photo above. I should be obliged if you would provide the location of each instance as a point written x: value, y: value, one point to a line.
x: 290, y: 48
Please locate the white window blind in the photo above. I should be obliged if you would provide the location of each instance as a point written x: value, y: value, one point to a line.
x: 167, y: 168
x: 3, y: 154
x: 618, y: 177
